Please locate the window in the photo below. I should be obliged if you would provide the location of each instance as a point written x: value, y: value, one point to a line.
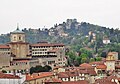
x: 19, y: 37
x: 14, y: 38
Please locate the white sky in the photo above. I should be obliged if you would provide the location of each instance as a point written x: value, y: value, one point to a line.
x: 40, y: 13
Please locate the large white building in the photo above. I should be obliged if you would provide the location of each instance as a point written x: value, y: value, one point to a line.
x: 51, y: 54
x: 11, y: 79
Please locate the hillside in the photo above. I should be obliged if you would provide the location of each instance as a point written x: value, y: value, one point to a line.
x: 74, y: 34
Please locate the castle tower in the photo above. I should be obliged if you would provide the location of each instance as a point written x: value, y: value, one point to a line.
x: 18, y: 46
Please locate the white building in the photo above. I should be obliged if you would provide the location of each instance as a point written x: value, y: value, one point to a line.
x: 11, y: 79
x: 106, y: 41
x: 51, y: 54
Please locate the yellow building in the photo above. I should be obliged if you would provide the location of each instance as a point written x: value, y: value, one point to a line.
x: 110, y: 60
x: 18, y: 46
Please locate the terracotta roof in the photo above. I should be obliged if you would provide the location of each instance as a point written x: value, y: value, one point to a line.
x: 4, y: 47
x: 53, y: 80
x: 103, y: 81
x: 47, y: 44
x: 117, y: 67
x: 92, y: 72
x: 112, y: 77
x: 86, y: 65
x: 75, y: 82
x: 38, y: 75
x: 63, y: 75
x: 8, y: 76
x: 83, y: 71
x: 103, y: 67
x: 112, y: 53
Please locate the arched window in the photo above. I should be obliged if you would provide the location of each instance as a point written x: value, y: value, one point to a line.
x: 19, y: 37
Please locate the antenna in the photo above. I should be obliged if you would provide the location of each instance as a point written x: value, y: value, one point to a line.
x: 17, y: 26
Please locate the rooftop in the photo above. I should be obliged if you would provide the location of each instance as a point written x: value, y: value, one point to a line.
x: 47, y: 44
x: 38, y: 75
x: 53, y: 80
x: 8, y: 76
x: 86, y: 65
x: 17, y: 31
x: 103, y: 67
x: 4, y: 46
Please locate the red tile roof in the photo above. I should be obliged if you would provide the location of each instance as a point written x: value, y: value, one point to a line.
x: 4, y: 47
x: 63, y: 75
x: 86, y: 65
x: 117, y: 67
x: 38, y: 75
x: 112, y: 77
x: 103, y: 67
x: 47, y: 44
x: 53, y: 80
x: 8, y: 76
x: 103, y: 81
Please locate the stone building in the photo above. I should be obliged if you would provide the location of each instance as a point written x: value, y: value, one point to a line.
x: 4, y: 60
x: 19, y: 48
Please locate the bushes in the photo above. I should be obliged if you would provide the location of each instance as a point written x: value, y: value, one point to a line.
x: 38, y: 69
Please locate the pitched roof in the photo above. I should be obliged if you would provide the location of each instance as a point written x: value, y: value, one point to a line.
x: 117, y: 67
x: 86, y: 65
x: 47, y: 44
x: 113, y: 76
x: 38, y: 75
x: 4, y: 46
x: 8, y: 76
x: 103, y: 67
x: 103, y: 81
x: 63, y: 75
x: 17, y: 31
x: 53, y: 80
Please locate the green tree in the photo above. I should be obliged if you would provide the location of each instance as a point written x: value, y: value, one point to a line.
x: 47, y: 68
x: 32, y: 70
x: 98, y: 59
x: 92, y: 59
x: 84, y: 60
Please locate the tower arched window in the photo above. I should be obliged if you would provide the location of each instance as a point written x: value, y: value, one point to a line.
x: 19, y: 37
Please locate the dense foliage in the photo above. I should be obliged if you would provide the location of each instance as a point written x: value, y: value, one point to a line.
x: 38, y: 69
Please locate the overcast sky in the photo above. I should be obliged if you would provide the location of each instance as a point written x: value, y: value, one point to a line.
x: 40, y: 13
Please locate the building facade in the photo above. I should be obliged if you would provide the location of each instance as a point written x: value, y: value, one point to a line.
x: 19, y: 48
x: 49, y: 53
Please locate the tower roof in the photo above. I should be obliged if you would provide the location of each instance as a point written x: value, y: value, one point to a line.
x: 17, y: 31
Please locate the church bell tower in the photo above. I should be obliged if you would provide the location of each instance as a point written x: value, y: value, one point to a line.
x: 19, y: 48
